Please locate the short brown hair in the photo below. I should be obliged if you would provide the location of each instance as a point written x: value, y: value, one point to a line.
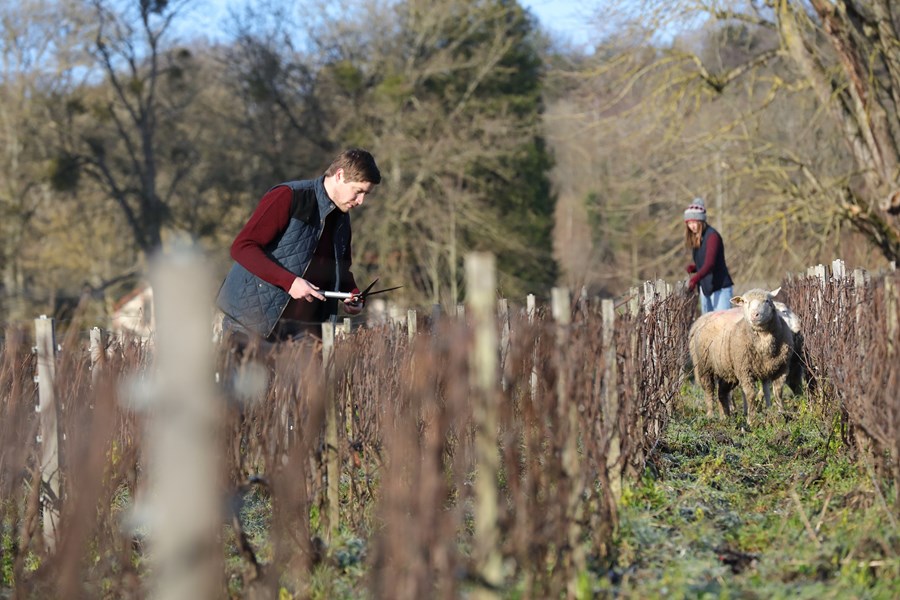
x: 358, y: 165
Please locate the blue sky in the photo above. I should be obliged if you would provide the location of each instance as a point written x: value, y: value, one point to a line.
x: 565, y: 19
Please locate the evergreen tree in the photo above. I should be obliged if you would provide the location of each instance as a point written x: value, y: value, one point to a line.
x: 449, y: 99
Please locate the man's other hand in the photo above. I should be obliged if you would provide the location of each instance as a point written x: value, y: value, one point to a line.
x: 354, y: 305
x: 353, y: 308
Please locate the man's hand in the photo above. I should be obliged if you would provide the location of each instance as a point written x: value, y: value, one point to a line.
x: 354, y: 305
x: 301, y: 289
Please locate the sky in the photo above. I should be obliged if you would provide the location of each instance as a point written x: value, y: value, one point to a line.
x: 566, y: 20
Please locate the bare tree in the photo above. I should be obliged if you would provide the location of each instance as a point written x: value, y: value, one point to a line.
x: 783, y: 114
x: 128, y: 131
x: 857, y: 82
x: 35, y: 65
x: 279, y: 121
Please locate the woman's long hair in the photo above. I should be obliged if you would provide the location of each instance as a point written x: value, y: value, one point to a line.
x: 692, y: 240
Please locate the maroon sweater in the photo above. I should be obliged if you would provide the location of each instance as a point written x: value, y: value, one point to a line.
x: 271, y: 217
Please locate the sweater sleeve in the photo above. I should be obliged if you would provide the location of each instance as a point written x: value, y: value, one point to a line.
x: 712, y: 249
x: 271, y: 217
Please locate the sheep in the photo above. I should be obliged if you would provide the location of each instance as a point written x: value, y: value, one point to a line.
x: 797, y: 368
x: 739, y: 346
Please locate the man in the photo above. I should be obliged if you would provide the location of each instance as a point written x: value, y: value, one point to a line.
x: 296, y: 244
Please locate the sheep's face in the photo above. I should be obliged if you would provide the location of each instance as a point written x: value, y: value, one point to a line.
x: 789, y: 316
x: 758, y: 306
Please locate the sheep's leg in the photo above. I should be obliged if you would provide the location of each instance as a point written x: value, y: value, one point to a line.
x: 778, y: 391
x: 708, y: 385
x: 725, y: 397
x: 748, y: 387
x: 767, y: 393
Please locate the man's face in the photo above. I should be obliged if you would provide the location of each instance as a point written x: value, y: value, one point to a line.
x: 349, y: 194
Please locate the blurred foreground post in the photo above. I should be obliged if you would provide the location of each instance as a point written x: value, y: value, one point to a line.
x: 183, y: 435
x: 45, y: 340
x: 480, y: 297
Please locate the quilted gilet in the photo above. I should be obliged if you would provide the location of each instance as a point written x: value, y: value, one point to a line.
x: 718, y: 277
x: 256, y: 305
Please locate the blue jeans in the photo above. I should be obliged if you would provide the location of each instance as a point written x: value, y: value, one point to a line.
x: 718, y: 300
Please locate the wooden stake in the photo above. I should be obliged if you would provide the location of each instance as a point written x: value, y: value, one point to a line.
x: 184, y: 467
x: 51, y: 494
x: 480, y: 297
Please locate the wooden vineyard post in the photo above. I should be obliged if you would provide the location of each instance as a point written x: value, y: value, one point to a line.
x: 503, y: 316
x: 838, y: 269
x: 480, y: 297
x: 98, y: 353
x: 183, y: 426
x: 562, y: 313
x: 838, y: 275
x: 51, y: 497
x: 411, y: 325
x: 531, y: 311
x: 890, y: 302
x: 611, y: 398
x: 891, y: 330
x: 412, y: 330
x: 860, y: 283
x: 634, y: 353
x: 332, y: 457
x: 820, y: 273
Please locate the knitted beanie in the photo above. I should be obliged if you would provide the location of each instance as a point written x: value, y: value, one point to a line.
x: 696, y: 211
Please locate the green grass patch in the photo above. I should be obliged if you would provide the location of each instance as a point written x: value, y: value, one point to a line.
x: 779, y: 510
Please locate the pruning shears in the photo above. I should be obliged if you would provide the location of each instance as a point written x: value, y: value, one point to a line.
x: 359, y: 296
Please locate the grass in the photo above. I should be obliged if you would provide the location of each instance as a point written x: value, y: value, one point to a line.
x: 777, y: 511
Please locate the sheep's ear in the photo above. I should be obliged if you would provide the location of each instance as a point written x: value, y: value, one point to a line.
x: 774, y: 292
x: 737, y: 300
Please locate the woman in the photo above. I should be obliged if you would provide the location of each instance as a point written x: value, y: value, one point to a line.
x: 709, y: 270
